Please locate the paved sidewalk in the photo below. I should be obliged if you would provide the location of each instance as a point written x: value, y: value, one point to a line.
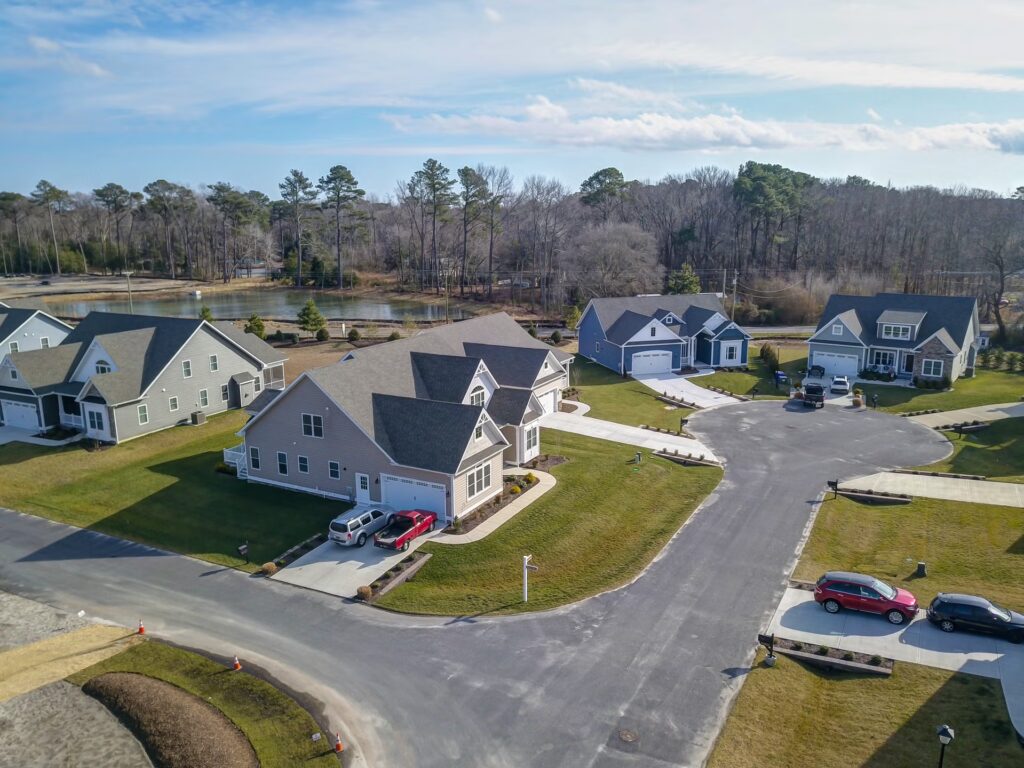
x: 950, y: 488
x: 545, y: 483
x: 800, y: 618
x: 15, y: 435
x: 620, y: 433
x: 981, y: 413
x: 683, y: 388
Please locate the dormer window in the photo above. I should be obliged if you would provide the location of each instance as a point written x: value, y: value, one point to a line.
x: 898, y: 332
x: 477, y: 396
x: 837, y: 329
x: 102, y: 366
x: 668, y: 320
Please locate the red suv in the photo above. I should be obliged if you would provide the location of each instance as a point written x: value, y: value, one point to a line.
x: 857, y: 592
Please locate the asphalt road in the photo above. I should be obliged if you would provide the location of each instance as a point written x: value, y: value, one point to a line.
x: 662, y: 657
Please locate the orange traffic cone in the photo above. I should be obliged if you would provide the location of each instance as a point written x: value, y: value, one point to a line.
x: 142, y: 629
x: 237, y: 665
x: 338, y: 746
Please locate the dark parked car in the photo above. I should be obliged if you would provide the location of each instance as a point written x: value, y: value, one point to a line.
x: 816, y: 372
x: 856, y: 592
x: 814, y: 396
x: 975, y: 614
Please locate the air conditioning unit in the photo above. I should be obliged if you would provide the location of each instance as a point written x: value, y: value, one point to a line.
x: 198, y: 418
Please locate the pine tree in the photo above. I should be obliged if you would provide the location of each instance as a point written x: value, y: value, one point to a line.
x: 255, y: 326
x: 684, y: 280
x: 206, y: 314
x: 310, y: 318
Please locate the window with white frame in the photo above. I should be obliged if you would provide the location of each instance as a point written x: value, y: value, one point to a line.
x: 477, y: 396
x: 186, y: 369
x: 95, y: 419
x: 304, y: 465
x: 654, y: 330
x: 224, y: 393
x: 257, y: 384
x: 254, y: 457
x: 597, y: 346
x: 282, y: 463
x: 312, y: 425
x: 172, y: 404
x: 837, y: 329
x: 532, y: 438
x: 883, y: 357
x: 214, y: 364
x: 44, y: 342
x: 14, y: 347
x: 478, y: 432
x: 102, y: 366
x: 731, y: 352
x: 931, y: 367
x: 204, y: 398
x: 143, y: 414
x: 334, y: 470
x: 478, y: 480
x: 899, y: 332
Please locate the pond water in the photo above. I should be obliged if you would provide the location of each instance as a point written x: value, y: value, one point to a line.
x: 282, y: 304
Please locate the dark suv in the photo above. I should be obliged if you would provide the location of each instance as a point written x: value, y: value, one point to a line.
x: 857, y: 592
x: 975, y: 614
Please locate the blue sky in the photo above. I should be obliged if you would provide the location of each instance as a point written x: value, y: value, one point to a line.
x: 196, y: 92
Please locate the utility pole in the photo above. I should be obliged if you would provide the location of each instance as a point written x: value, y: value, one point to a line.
x: 131, y: 307
x: 735, y: 279
x: 724, y: 272
x: 527, y: 567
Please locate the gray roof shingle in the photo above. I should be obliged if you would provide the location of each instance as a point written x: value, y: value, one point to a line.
x: 443, y: 377
x: 510, y: 366
x: 251, y: 343
x: 954, y: 314
x: 693, y: 309
x: 509, y: 405
x: 42, y: 370
x: 428, y: 434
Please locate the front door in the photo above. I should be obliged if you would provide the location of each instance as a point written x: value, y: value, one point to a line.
x: 908, y: 363
x: 362, y: 488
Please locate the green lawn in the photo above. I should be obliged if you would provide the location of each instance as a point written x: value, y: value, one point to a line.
x: 793, y: 359
x: 973, y: 548
x: 162, y: 490
x: 567, y: 532
x: 997, y: 452
x: 624, y: 401
x: 985, y: 388
x: 793, y: 715
x: 276, y: 726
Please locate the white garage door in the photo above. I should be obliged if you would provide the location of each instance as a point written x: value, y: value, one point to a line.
x: 403, y: 493
x: 549, y: 401
x: 652, y: 362
x: 836, y: 364
x: 22, y: 415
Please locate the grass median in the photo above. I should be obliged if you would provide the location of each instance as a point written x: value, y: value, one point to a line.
x: 162, y: 490
x: 795, y: 715
x: 596, y: 529
x: 997, y: 452
x: 792, y: 359
x: 274, y: 723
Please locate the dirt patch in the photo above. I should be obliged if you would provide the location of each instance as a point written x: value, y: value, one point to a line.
x: 178, y: 730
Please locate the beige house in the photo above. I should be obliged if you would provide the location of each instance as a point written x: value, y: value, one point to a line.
x: 426, y: 422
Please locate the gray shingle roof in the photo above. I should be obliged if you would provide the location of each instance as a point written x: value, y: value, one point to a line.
x: 898, y: 316
x: 509, y: 405
x: 510, y: 366
x: 262, y: 400
x: 693, y: 309
x: 952, y: 313
x: 443, y: 377
x: 428, y: 434
x: 626, y: 327
x: 42, y: 370
x: 251, y: 343
x: 128, y: 352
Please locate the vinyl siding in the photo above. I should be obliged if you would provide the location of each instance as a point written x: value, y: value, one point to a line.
x: 590, y: 334
x: 462, y: 504
x: 30, y: 334
x: 847, y: 337
x: 674, y: 347
x: 704, y: 350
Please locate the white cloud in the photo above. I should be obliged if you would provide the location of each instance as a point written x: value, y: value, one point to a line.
x: 52, y: 53
x: 543, y: 110
x: 493, y: 15
x: 873, y: 115
x: 43, y: 44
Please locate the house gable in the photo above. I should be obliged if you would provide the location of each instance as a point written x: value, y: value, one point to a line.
x: 828, y: 334
x: 653, y: 332
x: 94, y: 355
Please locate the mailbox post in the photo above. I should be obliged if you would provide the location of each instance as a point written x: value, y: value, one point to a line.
x: 527, y: 567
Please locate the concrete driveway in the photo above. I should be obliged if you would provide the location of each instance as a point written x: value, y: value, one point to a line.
x: 800, y: 618
x: 949, y: 488
x: 986, y: 413
x: 340, y: 571
x: 621, y: 433
x: 684, y: 389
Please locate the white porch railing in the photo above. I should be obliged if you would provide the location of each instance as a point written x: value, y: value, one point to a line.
x: 235, y: 457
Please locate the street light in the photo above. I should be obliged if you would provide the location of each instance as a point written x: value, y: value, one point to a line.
x: 945, y: 734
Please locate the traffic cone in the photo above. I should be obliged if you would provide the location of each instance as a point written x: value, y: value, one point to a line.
x: 142, y: 629
x: 338, y: 746
x: 237, y: 666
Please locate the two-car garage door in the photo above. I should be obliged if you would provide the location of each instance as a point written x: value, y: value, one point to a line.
x: 21, y: 415
x: 659, y: 361
x: 403, y: 493
x: 836, y: 364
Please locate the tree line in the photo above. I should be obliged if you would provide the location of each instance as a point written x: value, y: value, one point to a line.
x: 782, y: 239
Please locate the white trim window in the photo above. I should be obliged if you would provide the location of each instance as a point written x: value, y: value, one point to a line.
x: 883, y: 357
x: 143, y: 414
x: 932, y: 367
x: 478, y: 432
x: 172, y: 403
x: 282, y: 463
x: 478, y: 479
x: 900, y: 332
x: 597, y: 347
x: 478, y: 396
x: 258, y: 383
x: 102, y: 366
x: 204, y: 398
x: 532, y: 438
x: 214, y: 364
x: 304, y: 465
x: 95, y: 419
x: 837, y: 329
x: 186, y: 369
x: 312, y: 425
x: 44, y: 342
x: 732, y: 352
x: 224, y: 393
x: 334, y: 470
x: 14, y: 347
x: 254, y: 457
x: 654, y: 330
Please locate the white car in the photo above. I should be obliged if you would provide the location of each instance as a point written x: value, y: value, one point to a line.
x: 840, y: 385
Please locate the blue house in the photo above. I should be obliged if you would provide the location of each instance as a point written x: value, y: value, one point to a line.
x: 661, y: 334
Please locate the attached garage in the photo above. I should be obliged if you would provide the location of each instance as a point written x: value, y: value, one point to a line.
x: 837, y: 364
x: 549, y: 401
x: 659, y: 361
x: 404, y: 493
x: 21, y: 415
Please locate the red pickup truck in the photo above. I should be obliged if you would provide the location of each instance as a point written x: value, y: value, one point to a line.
x: 406, y: 526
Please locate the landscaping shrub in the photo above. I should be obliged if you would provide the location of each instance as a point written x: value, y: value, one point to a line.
x: 515, y: 490
x: 268, y: 569
x: 532, y: 330
x: 364, y: 593
x: 770, y: 357
x: 225, y: 469
x: 875, y: 660
x: 351, y: 278
x: 847, y: 656
x: 822, y: 650
x: 531, y: 478
x: 255, y: 326
x: 322, y: 334
x: 556, y: 337
x: 997, y: 357
x: 354, y: 335
x: 394, y: 336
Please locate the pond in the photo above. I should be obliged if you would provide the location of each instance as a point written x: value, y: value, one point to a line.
x: 281, y: 304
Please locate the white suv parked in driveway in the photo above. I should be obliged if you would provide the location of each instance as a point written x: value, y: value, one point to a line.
x: 354, y: 527
x: 840, y: 385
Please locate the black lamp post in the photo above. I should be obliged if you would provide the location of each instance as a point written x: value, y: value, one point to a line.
x: 945, y: 734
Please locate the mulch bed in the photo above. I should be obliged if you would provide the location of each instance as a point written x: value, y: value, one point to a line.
x: 178, y: 729
x: 545, y: 462
x: 825, y: 654
x: 477, y: 516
